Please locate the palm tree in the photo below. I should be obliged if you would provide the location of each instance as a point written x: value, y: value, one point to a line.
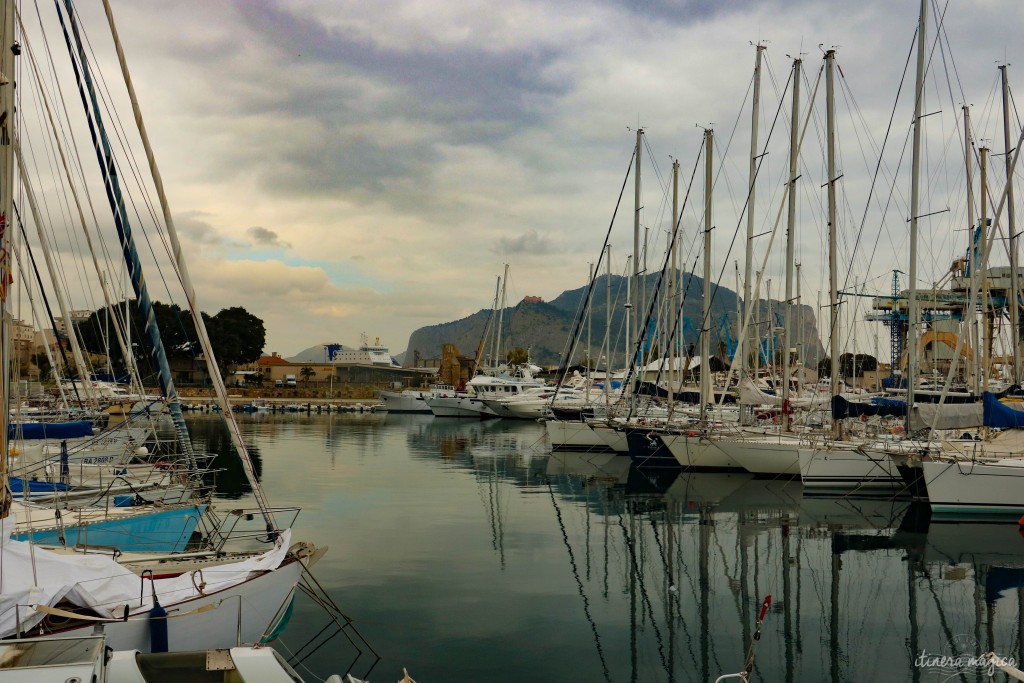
x: 307, y: 373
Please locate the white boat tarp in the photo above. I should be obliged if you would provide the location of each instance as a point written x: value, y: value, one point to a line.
x: 752, y: 395
x: 35, y: 576
x: 947, y: 415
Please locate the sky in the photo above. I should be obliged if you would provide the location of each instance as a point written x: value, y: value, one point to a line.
x: 340, y: 168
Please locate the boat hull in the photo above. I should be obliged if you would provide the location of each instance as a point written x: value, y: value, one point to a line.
x: 698, y: 452
x: 244, y: 612
x: 849, y: 470
x: 575, y: 436
x: 765, y: 456
x: 405, y: 401
x: 967, y: 488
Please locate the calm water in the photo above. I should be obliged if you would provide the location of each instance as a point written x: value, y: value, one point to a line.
x: 463, y: 551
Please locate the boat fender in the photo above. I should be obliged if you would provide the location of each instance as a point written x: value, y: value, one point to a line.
x: 157, y: 627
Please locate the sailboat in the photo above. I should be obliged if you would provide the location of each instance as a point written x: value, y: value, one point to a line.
x: 211, y: 598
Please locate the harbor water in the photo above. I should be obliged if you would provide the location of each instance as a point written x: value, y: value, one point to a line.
x: 466, y: 551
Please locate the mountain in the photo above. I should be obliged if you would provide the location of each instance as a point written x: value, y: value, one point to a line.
x: 544, y: 328
x: 314, y: 354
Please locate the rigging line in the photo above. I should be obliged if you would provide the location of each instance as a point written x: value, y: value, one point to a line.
x: 664, y: 269
x: 69, y: 132
x: 56, y: 271
x: 723, y: 154
x: 941, y: 28
x: 739, y: 223
x: 657, y: 288
x: 107, y: 98
x: 878, y: 166
x: 65, y: 206
x: 578, y: 323
x: 663, y: 207
x: 128, y: 153
x: 46, y: 302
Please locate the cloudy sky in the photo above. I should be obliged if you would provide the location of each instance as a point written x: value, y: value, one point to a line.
x: 343, y: 167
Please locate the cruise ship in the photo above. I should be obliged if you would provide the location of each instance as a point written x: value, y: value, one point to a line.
x: 366, y: 354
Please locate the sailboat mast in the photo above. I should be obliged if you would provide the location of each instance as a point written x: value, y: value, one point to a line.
x: 501, y: 318
x: 44, y: 242
x: 494, y: 315
x: 672, y: 306
x: 913, y: 314
x: 634, y: 301
x: 790, y: 246
x: 590, y: 319
x: 705, y: 333
x: 6, y: 247
x: 986, y: 303
x: 108, y: 169
x: 213, y: 369
x: 608, y: 325
x: 1013, y: 298
x: 833, y: 262
x: 748, y: 265
x: 973, y: 253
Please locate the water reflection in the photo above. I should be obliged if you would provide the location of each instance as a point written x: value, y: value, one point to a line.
x: 697, y: 552
x: 475, y: 555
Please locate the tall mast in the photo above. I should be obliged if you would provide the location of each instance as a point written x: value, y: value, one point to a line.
x: 1012, y: 300
x: 7, y: 114
x: 501, y: 317
x: 634, y: 299
x: 608, y: 325
x: 799, y: 324
x: 193, y: 304
x: 705, y: 332
x: 833, y: 263
x: 748, y: 264
x: 44, y: 242
x: 986, y: 351
x: 590, y: 317
x: 494, y: 315
x: 974, y: 254
x: 108, y: 169
x: 482, y: 346
x: 790, y: 245
x: 670, y: 309
x: 913, y: 313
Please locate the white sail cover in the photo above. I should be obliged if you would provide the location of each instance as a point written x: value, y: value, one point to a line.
x: 34, y: 576
x: 947, y: 415
x: 752, y: 395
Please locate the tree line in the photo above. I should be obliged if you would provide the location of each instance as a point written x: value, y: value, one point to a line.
x: 237, y: 336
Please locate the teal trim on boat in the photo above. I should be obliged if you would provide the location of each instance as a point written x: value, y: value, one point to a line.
x: 281, y: 624
x: 167, y: 531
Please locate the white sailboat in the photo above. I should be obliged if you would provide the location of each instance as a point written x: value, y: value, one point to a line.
x: 207, y: 599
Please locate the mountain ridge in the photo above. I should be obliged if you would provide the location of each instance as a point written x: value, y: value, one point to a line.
x: 544, y: 327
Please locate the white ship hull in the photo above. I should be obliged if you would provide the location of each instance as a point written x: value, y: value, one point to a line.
x: 765, y: 455
x: 699, y: 452
x: 844, y: 469
x: 249, y: 609
x: 612, y: 438
x: 459, y: 406
x: 964, y: 487
x: 575, y: 436
x: 405, y: 401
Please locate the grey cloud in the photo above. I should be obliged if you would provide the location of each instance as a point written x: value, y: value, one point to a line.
x: 197, y: 230
x: 528, y: 243
x: 455, y: 82
x: 265, y: 237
